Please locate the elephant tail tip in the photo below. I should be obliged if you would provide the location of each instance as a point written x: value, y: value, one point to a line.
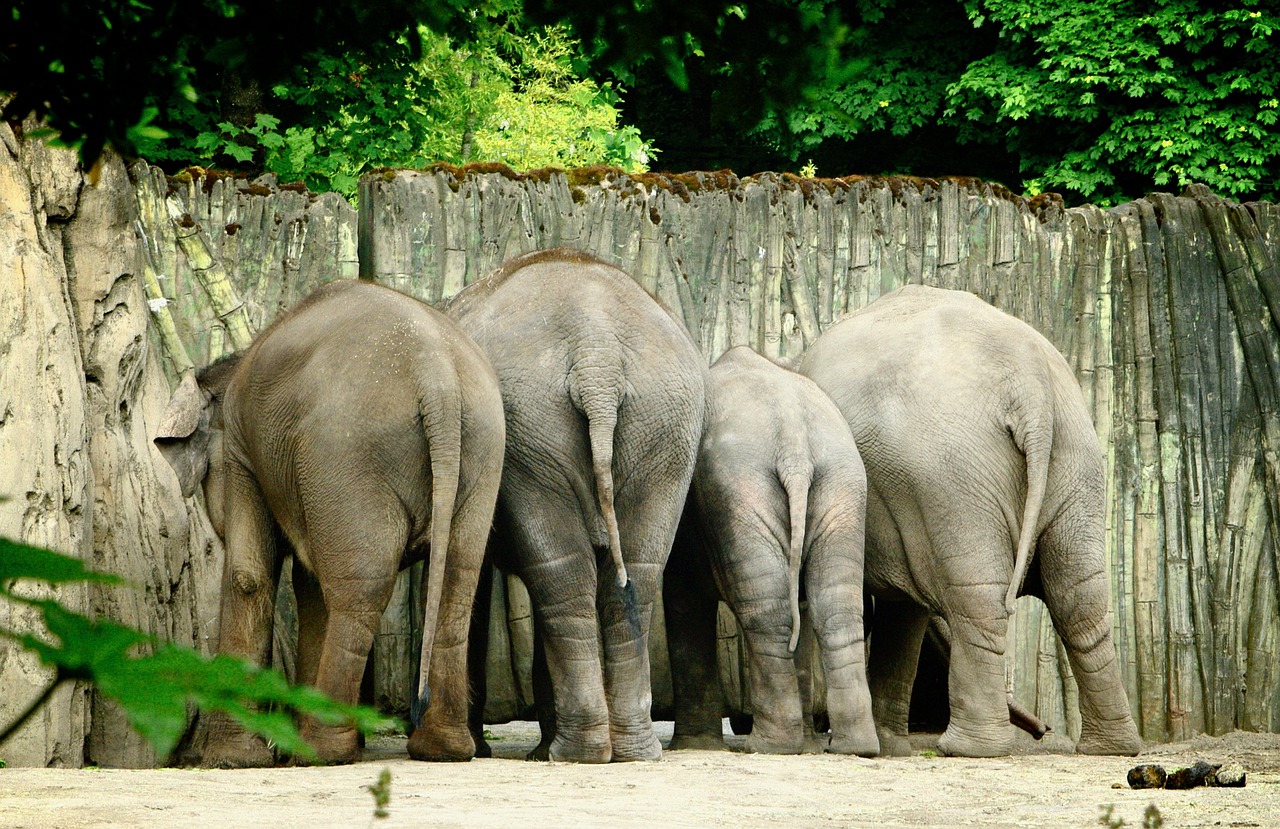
x: 418, y: 708
x: 631, y: 605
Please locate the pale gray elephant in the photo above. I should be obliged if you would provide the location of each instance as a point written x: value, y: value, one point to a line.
x: 604, y: 397
x: 779, y: 491
x: 359, y: 431
x: 985, y: 481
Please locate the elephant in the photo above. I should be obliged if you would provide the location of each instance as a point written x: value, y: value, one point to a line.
x: 604, y: 395
x: 362, y: 431
x: 985, y: 481
x: 779, y: 490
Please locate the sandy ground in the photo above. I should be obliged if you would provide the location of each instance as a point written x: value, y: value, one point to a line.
x: 1045, y: 787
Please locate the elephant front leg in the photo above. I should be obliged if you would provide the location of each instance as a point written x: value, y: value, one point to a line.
x: 896, y: 637
x: 250, y: 576
x: 624, y: 625
x: 690, y: 612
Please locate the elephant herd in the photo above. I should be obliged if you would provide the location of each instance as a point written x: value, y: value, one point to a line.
x: 554, y: 419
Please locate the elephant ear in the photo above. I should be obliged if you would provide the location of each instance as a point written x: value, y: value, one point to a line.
x: 183, y: 436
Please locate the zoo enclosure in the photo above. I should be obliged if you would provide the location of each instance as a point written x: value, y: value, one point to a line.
x: 1166, y: 308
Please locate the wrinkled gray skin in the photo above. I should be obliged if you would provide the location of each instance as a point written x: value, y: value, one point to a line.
x: 359, y: 431
x: 986, y: 481
x: 779, y: 494
x: 604, y: 397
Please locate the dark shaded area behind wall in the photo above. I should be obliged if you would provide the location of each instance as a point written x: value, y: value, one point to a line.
x: 698, y: 130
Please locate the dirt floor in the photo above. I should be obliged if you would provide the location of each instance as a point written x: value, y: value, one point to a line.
x: 1043, y: 786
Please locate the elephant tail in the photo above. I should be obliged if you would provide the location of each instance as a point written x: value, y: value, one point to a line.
x: 1035, y: 439
x: 797, y: 489
x: 595, y: 388
x: 442, y: 422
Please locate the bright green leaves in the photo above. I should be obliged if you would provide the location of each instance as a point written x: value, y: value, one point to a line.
x: 1083, y: 95
x: 507, y: 95
x: 1166, y: 92
x: 152, y: 681
x: 19, y: 561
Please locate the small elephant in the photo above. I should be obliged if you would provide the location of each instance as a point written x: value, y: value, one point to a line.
x: 779, y: 490
x: 986, y: 481
x: 604, y: 393
x: 360, y: 430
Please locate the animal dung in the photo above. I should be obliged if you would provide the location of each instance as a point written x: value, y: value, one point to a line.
x: 1199, y: 773
x: 1194, y: 775
x: 1147, y: 776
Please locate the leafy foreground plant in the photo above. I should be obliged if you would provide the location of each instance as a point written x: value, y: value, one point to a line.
x: 153, y: 688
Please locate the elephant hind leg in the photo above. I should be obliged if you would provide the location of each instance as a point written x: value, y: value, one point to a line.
x: 353, y: 599
x: 979, y: 724
x: 626, y: 662
x: 1076, y: 593
x: 250, y: 576
x: 835, y: 605
x: 557, y: 565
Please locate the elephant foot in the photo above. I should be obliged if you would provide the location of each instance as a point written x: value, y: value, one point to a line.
x: 1122, y: 740
x: 237, y: 751
x: 483, y: 750
x: 568, y: 751
x: 635, y: 747
x: 814, y: 743
x: 333, y: 745
x: 441, y: 745
x: 758, y: 743
x: 893, y: 744
x: 540, y: 753
x: 997, y: 742
x: 862, y: 743
x: 697, y: 742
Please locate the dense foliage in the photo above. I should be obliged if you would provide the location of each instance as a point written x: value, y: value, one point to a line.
x: 1099, y: 101
x: 510, y: 96
x: 113, y: 71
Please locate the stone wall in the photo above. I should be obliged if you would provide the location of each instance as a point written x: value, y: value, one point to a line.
x: 113, y: 283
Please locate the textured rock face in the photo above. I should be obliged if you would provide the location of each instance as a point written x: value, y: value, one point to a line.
x: 81, y: 393
x: 45, y: 474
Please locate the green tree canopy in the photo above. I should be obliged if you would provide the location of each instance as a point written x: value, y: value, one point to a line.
x: 510, y: 96
x: 109, y: 71
x: 1097, y: 100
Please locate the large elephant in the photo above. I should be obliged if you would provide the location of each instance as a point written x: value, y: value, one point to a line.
x: 985, y: 481
x: 358, y: 431
x: 779, y: 491
x: 604, y: 393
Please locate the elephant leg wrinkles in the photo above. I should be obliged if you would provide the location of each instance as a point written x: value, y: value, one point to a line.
x: 835, y: 606
x: 626, y: 662
x: 250, y: 576
x: 1075, y: 592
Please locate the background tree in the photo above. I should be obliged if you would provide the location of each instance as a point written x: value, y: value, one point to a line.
x: 1099, y: 101
x: 509, y: 96
x: 114, y: 71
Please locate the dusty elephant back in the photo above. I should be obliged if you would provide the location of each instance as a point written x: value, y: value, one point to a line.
x: 940, y: 390
x: 778, y: 415
x: 559, y: 325
x: 346, y: 375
